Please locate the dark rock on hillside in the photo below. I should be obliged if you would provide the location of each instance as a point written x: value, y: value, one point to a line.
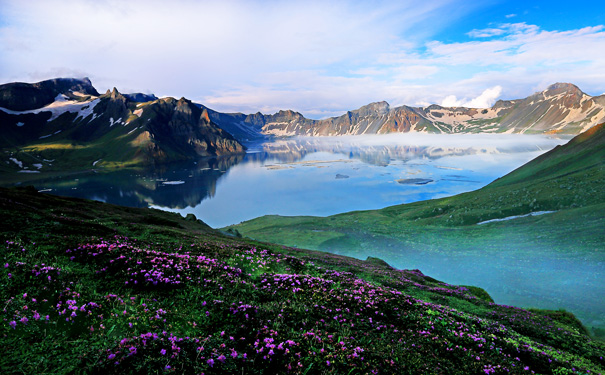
x: 181, y: 127
x: 140, y: 97
x: 20, y: 96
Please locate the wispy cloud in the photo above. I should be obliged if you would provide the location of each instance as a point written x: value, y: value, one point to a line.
x: 320, y: 58
x: 486, y: 33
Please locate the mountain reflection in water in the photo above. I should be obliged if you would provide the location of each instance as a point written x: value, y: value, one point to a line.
x: 300, y: 176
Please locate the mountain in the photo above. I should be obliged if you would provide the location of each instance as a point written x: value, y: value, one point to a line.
x: 561, y: 108
x: 80, y: 128
x: 534, y: 236
x: 93, y: 288
x: 20, y: 96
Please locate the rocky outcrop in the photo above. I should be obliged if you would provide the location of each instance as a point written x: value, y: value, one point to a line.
x: 184, y: 128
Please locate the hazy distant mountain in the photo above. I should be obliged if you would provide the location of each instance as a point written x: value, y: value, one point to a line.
x: 561, y: 108
x: 140, y: 97
x: 79, y: 127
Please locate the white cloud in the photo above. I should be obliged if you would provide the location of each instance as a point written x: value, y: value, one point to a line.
x: 485, y: 100
x: 486, y: 33
x: 511, y: 15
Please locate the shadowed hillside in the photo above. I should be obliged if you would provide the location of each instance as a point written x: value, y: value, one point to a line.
x: 95, y: 288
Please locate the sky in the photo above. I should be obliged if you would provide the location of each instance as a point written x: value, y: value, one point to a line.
x: 320, y: 58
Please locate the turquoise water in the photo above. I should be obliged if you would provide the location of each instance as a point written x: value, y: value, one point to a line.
x: 314, y: 176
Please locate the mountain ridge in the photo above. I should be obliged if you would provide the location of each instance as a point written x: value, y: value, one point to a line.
x: 561, y: 108
x: 83, y: 130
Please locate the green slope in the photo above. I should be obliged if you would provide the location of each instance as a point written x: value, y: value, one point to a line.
x: 89, y: 287
x: 442, y: 237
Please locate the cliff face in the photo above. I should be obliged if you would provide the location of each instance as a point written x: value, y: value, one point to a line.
x: 181, y: 126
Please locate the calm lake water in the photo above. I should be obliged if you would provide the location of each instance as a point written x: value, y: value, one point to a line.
x: 315, y: 176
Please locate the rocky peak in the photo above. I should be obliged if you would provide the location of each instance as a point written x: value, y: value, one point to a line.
x: 114, y: 95
x: 560, y: 87
x: 288, y: 114
x: 376, y: 108
x: 184, y: 106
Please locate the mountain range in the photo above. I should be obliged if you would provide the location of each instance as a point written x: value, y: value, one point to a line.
x: 561, y: 108
x: 65, y: 123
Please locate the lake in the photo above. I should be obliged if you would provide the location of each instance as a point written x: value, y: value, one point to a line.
x: 314, y: 175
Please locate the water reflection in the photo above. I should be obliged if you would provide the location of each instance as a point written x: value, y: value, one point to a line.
x: 381, y: 150
x: 312, y: 176
x: 175, y: 186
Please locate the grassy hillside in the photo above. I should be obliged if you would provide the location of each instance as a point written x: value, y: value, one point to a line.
x: 442, y: 236
x: 89, y: 287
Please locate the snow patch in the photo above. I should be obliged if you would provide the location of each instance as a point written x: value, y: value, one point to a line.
x: 18, y: 162
x: 95, y: 163
x: 138, y: 112
x: 132, y: 130
x: 59, y: 107
x: 537, y: 213
x: 24, y: 171
x: 173, y: 182
x: 87, y: 110
x: 37, y: 165
x: 20, y: 124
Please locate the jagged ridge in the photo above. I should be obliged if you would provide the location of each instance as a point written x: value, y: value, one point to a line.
x: 561, y: 108
x: 111, y: 128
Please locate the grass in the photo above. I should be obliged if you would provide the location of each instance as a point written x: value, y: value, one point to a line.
x: 89, y: 287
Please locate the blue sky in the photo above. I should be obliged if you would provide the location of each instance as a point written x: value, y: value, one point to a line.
x: 319, y: 58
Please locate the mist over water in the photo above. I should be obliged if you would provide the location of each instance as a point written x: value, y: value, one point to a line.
x: 524, y: 274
